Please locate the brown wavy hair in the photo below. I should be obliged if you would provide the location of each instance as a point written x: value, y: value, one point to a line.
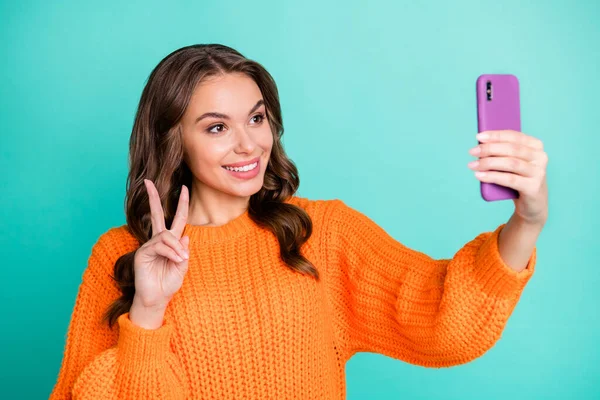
x: 156, y: 153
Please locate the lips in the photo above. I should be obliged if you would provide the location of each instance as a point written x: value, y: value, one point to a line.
x: 243, y: 163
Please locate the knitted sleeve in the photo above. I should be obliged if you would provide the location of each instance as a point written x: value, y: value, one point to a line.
x: 126, y: 362
x: 393, y: 300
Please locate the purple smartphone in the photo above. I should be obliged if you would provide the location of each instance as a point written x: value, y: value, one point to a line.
x: 498, y: 108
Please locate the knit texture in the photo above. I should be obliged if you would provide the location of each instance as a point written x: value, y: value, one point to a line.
x: 245, y: 326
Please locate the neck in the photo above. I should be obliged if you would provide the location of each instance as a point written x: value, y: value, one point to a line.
x: 209, y: 207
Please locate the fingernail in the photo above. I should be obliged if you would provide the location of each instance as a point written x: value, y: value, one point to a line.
x: 482, y: 136
x: 179, y: 259
x: 479, y: 174
x: 186, y: 254
x: 475, y: 150
x: 473, y: 164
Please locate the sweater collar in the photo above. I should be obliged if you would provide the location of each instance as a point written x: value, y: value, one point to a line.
x: 238, y: 226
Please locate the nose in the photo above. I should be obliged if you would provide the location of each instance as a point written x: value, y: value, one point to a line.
x: 245, y: 142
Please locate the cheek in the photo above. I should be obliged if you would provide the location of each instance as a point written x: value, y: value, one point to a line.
x: 266, y: 141
x: 206, y: 155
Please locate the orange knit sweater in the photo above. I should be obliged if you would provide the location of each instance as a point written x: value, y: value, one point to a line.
x: 245, y: 326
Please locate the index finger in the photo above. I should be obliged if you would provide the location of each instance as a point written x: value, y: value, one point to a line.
x: 181, y: 214
x: 156, y: 211
x: 513, y: 137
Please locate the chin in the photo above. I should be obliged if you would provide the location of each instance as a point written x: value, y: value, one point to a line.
x: 246, y: 189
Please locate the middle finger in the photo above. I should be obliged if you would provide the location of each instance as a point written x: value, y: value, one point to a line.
x: 503, y: 149
x: 156, y: 211
x: 506, y: 164
x: 181, y: 214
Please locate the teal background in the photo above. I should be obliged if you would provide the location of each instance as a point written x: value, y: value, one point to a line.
x: 379, y: 109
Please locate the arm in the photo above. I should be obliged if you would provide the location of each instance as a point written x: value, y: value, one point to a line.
x: 127, y: 361
x: 399, y: 302
x: 516, y: 242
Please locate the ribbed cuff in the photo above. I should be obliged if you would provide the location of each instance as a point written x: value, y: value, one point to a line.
x: 139, y: 346
x: 494, y: 275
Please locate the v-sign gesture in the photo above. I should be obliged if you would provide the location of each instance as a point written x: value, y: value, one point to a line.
x: 161, y: 263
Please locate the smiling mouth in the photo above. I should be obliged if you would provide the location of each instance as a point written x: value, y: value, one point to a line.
x: 245, y: 168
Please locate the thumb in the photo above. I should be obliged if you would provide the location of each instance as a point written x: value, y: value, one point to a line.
x: 185, y: 242
x: 183, y: 266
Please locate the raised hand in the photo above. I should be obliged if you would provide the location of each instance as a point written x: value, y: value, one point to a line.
x: 161, y: 263
x: 518, y: 161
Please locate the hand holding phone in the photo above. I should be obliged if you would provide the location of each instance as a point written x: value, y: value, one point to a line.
x: 498, y: 108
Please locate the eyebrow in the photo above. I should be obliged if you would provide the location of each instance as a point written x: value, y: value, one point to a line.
x: 223, y: 116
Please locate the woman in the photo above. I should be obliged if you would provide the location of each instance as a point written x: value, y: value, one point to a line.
x: 224, y: 285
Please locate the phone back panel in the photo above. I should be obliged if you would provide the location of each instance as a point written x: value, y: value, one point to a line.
x: 500, y: 113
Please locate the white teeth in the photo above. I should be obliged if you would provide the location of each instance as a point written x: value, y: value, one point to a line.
x: 245, y: 168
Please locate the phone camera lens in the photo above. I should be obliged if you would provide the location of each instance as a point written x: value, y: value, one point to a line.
x: 489, y: 90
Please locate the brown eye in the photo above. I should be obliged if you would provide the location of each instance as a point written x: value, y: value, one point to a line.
x: 210, y: 130
x: 261, y: 118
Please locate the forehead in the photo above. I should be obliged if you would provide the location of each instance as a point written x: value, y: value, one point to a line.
x: 231, y: 94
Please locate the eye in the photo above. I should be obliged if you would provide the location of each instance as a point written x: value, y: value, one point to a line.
x: 210, y: 130
x: 261, y: 118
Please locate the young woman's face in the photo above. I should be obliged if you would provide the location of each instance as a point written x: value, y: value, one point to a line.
x: 224, y: 124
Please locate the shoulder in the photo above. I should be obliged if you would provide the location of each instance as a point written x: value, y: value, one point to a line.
x: 335, y: 208
x: 316, y: 208
x: 330, y: 214
x: 115, y: 242
x: 108, y: 248
x: 338, y: 219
